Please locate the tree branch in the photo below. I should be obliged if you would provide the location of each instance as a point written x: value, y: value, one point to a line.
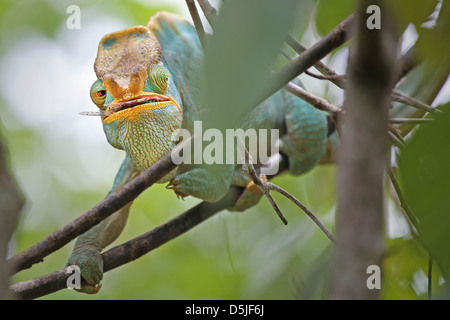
x: 209, y: 11
x: 197, y: 22
x: 403, y: 98
x: 315, y: 101
x: 405, y: 63
x: 323, y: 68
x: 11, y: 204
x: 103, y: 209
x: 309, y: 57
x: 130, y: 250
x: 136, y: 247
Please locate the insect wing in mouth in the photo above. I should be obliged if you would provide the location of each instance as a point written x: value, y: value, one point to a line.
x: 90, y: 113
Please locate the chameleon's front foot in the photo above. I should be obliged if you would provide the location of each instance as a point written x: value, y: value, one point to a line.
x: 90, y: 262
x: 206, y: 184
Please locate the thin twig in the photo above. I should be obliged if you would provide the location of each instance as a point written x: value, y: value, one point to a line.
x: 322, y: 77
x: 315, y: 101
x: 395, y: 140
x: 209, y: 11
x: 285, y: 54
x: 197, y: 21
x: 309, y: 57
x: 392, y: 130
x: 406, y: 209
x: 250, y: 170
x: 324, y: 69
x: 406, y: 62
x: 272, y: 186
x: 410, y: 120
x: 266, y: 187
x: 403, y: 98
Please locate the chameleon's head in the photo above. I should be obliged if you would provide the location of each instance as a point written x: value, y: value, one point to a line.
x: 135, y: 93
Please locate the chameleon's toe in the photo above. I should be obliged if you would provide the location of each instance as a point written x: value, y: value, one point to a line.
x: 177, y: 187
x: 90, y: 263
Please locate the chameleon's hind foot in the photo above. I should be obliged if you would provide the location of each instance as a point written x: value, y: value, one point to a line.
x: 249, y: 197
x: 90, y: 262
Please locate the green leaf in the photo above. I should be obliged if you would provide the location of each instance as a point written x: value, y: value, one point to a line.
x: 434, y: 44
x: 412, y: 11
x: 425, y: 178
x: 40, y: 16
x: 405, y: 258
x: 330, y: 13
x: 239, y: 56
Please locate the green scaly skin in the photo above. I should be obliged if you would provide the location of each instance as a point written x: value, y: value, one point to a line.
x: 163, y: 62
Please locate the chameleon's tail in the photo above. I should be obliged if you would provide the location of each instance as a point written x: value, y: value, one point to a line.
x: 333, y: 143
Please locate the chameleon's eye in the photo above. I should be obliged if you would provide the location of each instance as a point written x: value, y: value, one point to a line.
x: 158, y: 79
x: 98, y: 93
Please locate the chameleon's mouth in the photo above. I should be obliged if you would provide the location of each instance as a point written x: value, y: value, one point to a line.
x: 152, y: 99
x: 148, y: 101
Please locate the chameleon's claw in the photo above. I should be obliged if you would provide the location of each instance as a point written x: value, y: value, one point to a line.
x: 200, y: 183
x: 175, y: 186
x: 89, y: 288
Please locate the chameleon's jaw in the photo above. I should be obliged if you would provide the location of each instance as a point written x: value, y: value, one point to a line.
x: 132, y: 107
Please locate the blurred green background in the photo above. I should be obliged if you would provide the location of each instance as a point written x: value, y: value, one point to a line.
x: 65, y: 166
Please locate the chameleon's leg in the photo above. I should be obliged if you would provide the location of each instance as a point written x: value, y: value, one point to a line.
x: 267, y: 115
x: 86, y: 253
x: 251, y: 194
x: 303, y: 139
x: 207, y: 182
x: 306, y: 134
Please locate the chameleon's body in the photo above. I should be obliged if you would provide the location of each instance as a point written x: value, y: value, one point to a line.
x: 160, y: 65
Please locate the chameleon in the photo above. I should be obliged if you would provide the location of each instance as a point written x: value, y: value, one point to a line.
x: 148, y: 87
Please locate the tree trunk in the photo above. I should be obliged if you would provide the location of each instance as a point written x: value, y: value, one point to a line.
x: 359, y: 223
